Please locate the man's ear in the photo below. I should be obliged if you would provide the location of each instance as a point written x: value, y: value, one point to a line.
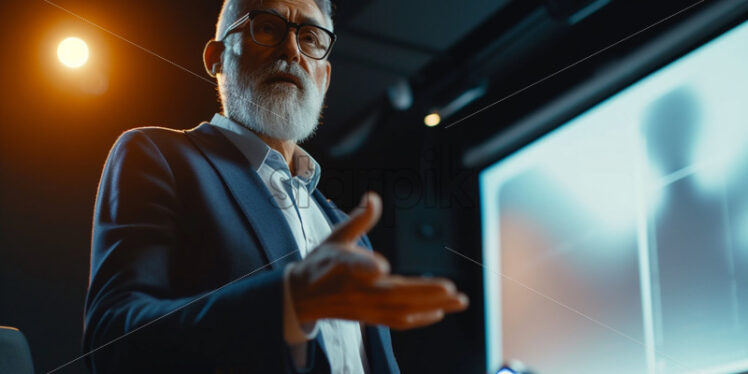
x: 212, y: 57
x: 329, y: 70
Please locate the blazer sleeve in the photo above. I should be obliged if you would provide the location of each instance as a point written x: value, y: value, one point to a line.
x: 134, y: 322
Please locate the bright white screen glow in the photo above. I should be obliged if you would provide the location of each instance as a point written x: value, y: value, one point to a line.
x: 618, y: 243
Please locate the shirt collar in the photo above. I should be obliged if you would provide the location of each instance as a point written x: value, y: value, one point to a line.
x: 259, y: 153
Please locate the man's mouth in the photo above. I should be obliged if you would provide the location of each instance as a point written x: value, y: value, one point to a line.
x: 283, y: 78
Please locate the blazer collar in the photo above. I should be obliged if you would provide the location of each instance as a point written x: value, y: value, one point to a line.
x: 259, y: 153
x: 250, y: 194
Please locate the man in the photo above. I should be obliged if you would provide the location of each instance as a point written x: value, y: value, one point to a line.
x: 212, y: 249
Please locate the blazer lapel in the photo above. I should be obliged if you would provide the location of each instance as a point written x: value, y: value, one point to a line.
x: 327, y: 206
x: 250, y: 193
x: 335, y: 214
x: 379, y: 350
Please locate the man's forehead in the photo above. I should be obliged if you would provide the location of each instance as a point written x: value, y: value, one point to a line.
x: 307, y: 11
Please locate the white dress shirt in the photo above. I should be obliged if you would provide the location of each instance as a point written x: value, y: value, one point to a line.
x: 310, y: 226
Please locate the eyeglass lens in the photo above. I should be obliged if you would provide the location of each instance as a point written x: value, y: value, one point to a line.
x: 270, y: 29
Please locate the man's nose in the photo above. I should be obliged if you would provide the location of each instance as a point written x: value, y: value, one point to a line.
x: 289, y: 48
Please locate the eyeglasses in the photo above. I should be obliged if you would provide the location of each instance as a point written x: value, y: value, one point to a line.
x: 269, y: 30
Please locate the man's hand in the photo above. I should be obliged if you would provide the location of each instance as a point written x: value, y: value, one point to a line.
x: 339, y: 279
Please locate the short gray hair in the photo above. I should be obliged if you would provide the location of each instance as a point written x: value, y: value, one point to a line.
x: 230, y: 12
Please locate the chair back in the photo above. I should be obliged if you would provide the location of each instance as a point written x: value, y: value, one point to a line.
x: 15, y: 355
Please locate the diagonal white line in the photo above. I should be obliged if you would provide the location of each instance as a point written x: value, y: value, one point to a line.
x: 170, y: 313
x: 597, y: 322
x: 144, y: 49
x: 573, y: 64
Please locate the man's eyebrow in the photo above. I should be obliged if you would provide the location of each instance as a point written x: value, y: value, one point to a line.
x: 304, y: 19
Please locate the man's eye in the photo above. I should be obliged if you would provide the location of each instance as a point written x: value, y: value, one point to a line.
x: 267, y: 28
x: 310, y: 39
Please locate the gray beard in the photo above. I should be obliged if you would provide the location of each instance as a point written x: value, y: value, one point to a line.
x: 278, y: 111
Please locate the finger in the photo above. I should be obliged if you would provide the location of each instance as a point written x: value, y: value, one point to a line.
x: 449, y: 304
x: 365, y: 265
x: 406, y: 292
x: 415, y: 320
x: 361, y: 220
x: 427, y: 286
x: 403, y: 301
x: 457, y: 304
x: 356, y: 306
x: 380, y: 264
x: 423, y: 319
x: 395, y: 288
x: 399, y: 319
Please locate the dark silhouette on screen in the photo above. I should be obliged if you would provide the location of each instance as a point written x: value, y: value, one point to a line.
x: 693, y: 282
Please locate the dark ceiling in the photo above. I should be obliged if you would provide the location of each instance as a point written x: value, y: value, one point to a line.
x: 383, y: 42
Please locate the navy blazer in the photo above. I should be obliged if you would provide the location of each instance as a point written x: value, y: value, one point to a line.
x: 187, y: 261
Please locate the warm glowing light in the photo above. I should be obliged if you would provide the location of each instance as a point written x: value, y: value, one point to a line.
x: 72, y: 52
x: 432, y: 119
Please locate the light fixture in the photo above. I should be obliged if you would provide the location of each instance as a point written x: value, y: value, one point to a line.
x: 432, y: 119
x: 72, y: 52
x: 456, y: 104
x: 400, y: 95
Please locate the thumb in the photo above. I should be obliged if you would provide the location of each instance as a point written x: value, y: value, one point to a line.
x: 361, y: 220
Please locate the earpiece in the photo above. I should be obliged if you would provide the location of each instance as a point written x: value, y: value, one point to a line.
x: 215, y: 69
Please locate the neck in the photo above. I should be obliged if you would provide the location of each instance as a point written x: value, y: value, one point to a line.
x: 285, y: 147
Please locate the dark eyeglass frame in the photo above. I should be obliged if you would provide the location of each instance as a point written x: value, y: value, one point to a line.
x: 248, y: 18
